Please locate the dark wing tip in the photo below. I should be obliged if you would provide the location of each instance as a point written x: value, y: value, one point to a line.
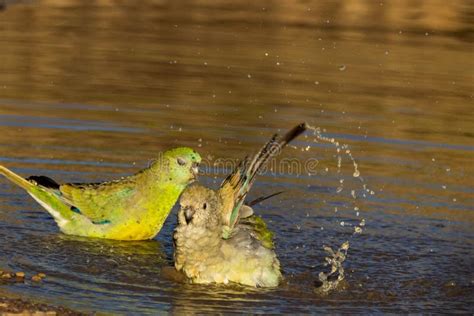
x: 44, y: 181
x: 294, y: 132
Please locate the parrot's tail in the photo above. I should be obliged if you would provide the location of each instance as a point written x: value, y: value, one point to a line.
x: 18, y: 180
x: 45, y: 191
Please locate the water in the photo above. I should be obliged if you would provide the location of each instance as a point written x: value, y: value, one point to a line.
x: 91, y: 91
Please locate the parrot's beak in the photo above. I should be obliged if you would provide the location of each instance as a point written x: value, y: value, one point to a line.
x: 195, y: 170
x: 188, y: 214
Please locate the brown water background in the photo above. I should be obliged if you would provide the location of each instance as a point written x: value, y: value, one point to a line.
x: 91, y: 90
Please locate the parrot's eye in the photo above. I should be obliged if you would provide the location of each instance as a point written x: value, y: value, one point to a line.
x: 204, y: 206
x: 181, y: 161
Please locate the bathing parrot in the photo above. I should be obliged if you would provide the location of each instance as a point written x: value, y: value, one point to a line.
x: 132, y: 208
x: 218, y: 238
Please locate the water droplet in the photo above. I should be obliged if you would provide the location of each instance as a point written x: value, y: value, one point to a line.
x: 345, y: 246
x: 342, y: 67
x: 356, y: 174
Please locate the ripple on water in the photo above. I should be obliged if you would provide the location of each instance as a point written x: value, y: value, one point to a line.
x: 100, y: 105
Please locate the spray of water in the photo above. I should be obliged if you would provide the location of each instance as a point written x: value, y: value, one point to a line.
x: 329, y: 281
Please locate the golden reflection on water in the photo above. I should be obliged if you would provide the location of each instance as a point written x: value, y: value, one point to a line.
x: 388, y: 71
x: 96, y: 88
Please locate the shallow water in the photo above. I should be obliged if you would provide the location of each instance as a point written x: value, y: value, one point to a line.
x: 92, y: 91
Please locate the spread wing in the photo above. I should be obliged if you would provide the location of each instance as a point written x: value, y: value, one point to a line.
x: 236, y: 186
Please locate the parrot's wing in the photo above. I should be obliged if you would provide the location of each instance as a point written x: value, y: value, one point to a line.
x: 258, y: 229
x: 100, y: 202
x: 255, y: 223
x: 235, y: 187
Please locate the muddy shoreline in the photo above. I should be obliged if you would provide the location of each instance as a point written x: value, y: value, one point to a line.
x: 11, y: 303
x: 16, y: 304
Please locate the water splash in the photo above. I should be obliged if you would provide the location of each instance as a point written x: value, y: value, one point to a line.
x: 343, y: 149
x: 329, y: 281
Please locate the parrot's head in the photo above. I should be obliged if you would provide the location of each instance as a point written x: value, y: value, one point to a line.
x: 198, y: 207
x: 182, y: 164
x: 199, y: 226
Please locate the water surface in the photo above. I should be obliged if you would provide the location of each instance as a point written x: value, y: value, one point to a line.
x: 91, y: 91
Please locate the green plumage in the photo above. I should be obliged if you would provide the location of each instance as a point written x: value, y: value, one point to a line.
x: 262, y: 233
x: 132, y: 208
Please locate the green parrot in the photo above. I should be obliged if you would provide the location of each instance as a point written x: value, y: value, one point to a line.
x: 218, y: 239
x: 132, y: 208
